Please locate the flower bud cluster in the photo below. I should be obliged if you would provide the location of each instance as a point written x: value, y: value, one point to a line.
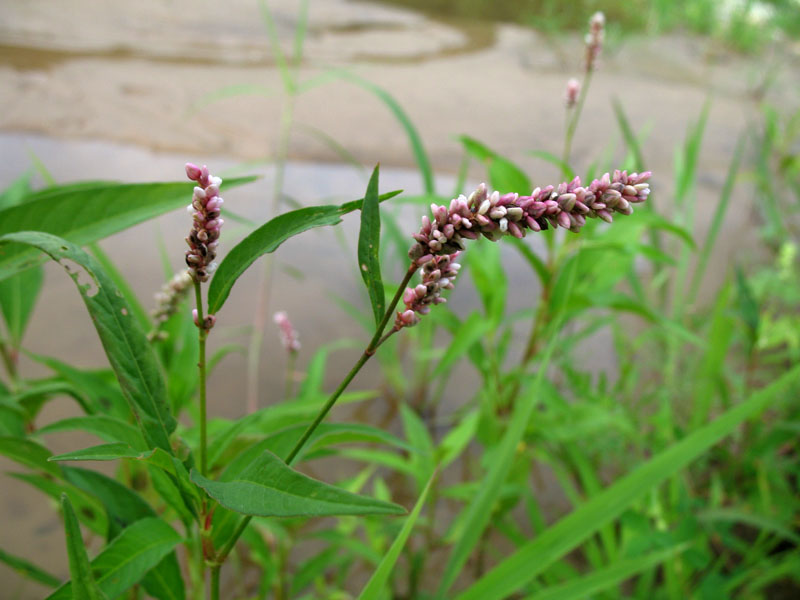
x: 288, y: 332
x: 170, y: 296
x: 204, y: 236
x: 567, y: 205
x: 594, y: 39
x: 437, y: 274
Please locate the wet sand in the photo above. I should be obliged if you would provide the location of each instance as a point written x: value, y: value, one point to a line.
x: 121, y: 91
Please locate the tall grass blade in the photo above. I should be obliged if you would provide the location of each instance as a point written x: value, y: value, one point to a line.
x: 377, y: 583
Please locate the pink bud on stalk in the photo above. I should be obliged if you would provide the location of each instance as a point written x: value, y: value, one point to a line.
x: 493, y: 216
x: 208, y: 320
x: 288, y: 333
x: 573, y: 91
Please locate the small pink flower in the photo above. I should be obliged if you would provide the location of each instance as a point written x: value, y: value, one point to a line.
x: 288, y: 333
x: 573, y: 91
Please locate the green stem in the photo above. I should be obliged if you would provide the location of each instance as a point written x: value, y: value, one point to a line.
x: 201, y: 367
x: 289, y: 392
x: 215, y: 582
x: 376, y: 341
x: 572, y: 124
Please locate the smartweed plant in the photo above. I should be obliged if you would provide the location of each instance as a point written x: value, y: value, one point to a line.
x: 657, y: 507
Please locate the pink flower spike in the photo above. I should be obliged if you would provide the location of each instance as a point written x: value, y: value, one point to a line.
x: 204, y: 236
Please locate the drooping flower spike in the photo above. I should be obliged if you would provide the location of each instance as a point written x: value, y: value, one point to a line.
x: 494, y: 215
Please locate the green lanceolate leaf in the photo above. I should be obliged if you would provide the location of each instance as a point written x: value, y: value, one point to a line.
x: 17, y: 298
x: 168, y: 465
x: 377, y: 583
x: 126, y: 346
x: 504, y: 175
x: 369, y: 238
x: 84, y: 586
x: 127, y: 559
x: 268, y: 237
x: 106, y: 428
x: 538, y: 554
x: 269, y: 488
x: 111, y: 451
x: 165, y: 581
x: 17, y: 192
x: 89, y: 510
x: 84, y: 213
x: 123, y: 505
x: 29, y: 570
x: 28, y: 453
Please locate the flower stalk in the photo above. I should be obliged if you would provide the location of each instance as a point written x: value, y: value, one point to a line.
x: 203, y: 240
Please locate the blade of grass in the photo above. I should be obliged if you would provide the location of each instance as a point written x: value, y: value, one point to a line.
x: 377, y: 583
x: 717, y: 219
x: 605, y: 578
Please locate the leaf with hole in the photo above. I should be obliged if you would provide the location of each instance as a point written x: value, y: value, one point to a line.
x: 126, y: 346
x: 369, y: 238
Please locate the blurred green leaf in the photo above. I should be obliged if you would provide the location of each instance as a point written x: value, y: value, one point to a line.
x: 504, y: 175
x: 605, y: 578
x: 423, y: 163
x: 471, y: 331
x: 106, y: 428
x: 457, y: 439
x: 89, y: 510
x: 17, y: 191
x: 123, y: 505
x: 84, y: 586
x: 126, y: 346
x: 422, y: 458
x: 748, y: 307
x: 29, y: 453
x: 165, y: 580
x: 29, y: 570
x: 101, y: 452
x: 18, y: 295
x: 369, y: 239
